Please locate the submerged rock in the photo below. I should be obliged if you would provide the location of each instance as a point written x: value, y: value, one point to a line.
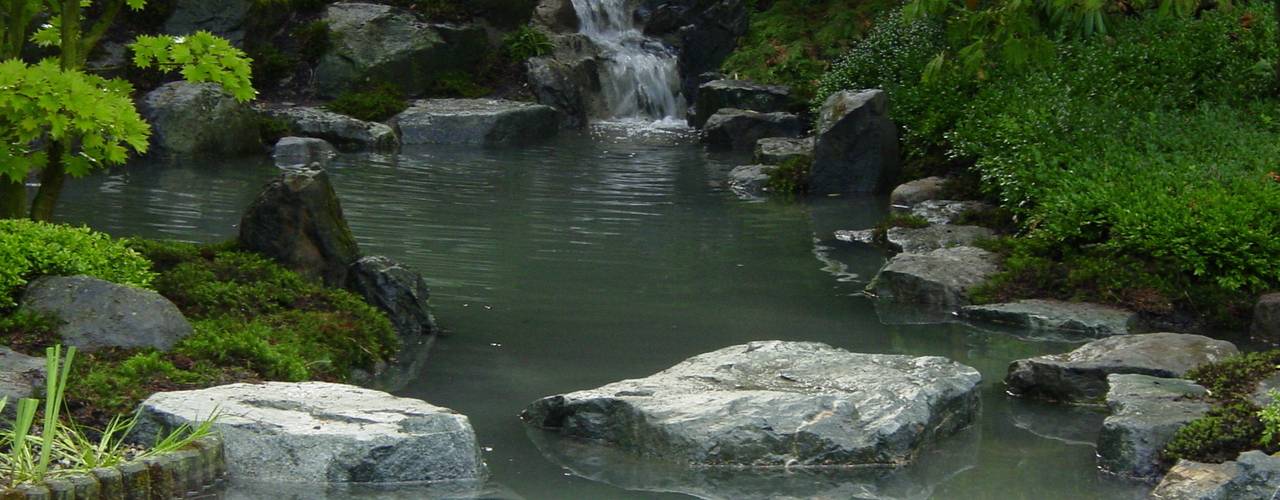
x: 774, y: 404
x: 1266, y: 318
x: 200, y: 118
x: 1146, y: 412
x: 341, y: 130
x: 738, y: 94
x: 225, y: 18
x: 395, y: 290
x: 1253, y: 475
x: 928, y: 188
x: 1080, y: 376
x: 317, y: 432
x: 741, y: 129
x: 1037, y: 314
x: 20, y: 376
x: 750, y: 180
x: 476, y: 121
x: 297, y: 221
x: 928, y: 239
x: 779, y: 150
x: 292, y: 152
x: 864, y: 236
x: 856, y: 148
x: 98, y: 314
x: 939, y: 279
x: 947, y: 211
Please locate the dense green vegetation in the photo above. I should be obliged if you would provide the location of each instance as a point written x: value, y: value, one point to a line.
x: 1235, y: 423
x: 375, y: 102
x: 32, y: 249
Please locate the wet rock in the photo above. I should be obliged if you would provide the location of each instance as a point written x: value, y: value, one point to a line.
x: 225, y: 18
x: 750, y: 181
x: 297, y: 220
x: 865, y: 236
x: 200, y: 119
x: 1036, y: 314
x: 302, y: 151
x: 20, y: 376
x: 1146, y: 412
x: 569, y: 79
x: 341, y: 130
x: 928, y: 239
x: 374, y: 42
x: 317, y: 432
x: 705, y: 34
x: 1069, y: 425
x: 1080, y: 376
x: 395, y: 290
x: 774, y: 404
x: 740, y: 129
x: 1266, y: 318
x: 98, y: 314
x: 940, y: 279
x: 556, y: 16
x: 779, y: 150
x: 738, y: 94
x: 856, y: 147
x: 947, y: 211
x: 1252, y: 476
x: 476, y: 121
x: 928, y: 188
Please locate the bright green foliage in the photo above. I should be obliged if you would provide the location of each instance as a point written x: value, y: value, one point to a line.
x: 32, y: 249
x: 1236, y: 376
x: 1270, y: 417
x: 43, y: 102
x: 200, y: 57
x: 377, y: 102
x: 526, y: 43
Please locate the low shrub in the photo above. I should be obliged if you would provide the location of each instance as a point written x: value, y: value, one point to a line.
x: 1219, y: 436
x: 31, y: 249
x: 790, y: 178
x: 1234, y: 378
x: 375, y: 102
x: 526, y: 43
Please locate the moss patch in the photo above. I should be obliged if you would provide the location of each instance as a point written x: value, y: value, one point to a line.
x: 1233, y: 425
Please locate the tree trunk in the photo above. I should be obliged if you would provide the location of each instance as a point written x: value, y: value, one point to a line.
x: 51, y: 180
x: 13, y: 199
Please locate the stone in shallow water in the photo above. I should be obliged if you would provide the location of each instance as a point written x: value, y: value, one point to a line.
x: 1146, y: 412
x: 98, y: 314
x: 290, y: 152
x: 738, y: 94
x: 928, y: 239
x: 342, y: 130
x: 749, y: 181
x: 200, y: 119
x: 740, y: 129
x: 317, y: 432
x: 1036, y: 314
x: 940, y: 279
x: 1252, y: 476
x: 772, y: 404
x: 397, y: 291
x: 946, y: 211
x: 476, y: 121
x: 297, y: 221
x: 1081, y: 375
x: 779, y: 150
x: 856, y: 145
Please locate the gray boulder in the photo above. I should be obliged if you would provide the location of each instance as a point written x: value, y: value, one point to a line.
x: 476, y: 121
x: 928, y: 239
x: 947, y: 211
x: 98, y: 314
x: 317, y: 432
x: 20, y: 376
x: 910, y: 193
x: 341, y: 130
x: 297, y: 220
x: 772, y: 404
x: 737, y: 94
x: 225, y: 18
x: 1266, y: 318
x: 556, y: 16
x: 1146, y: 412
x: 856, y: 148
x: 395, y: 290
x: 941, y: 279
x: 1036, y: 314
x: 740, y: 129
x: 1253, y: 475
x: 749, y: 181
x: 779, y: 150
x: 292, y: 152
x: 200, y: 119
x: 374, y: 42
x: 569, y: 79
x: 1080, y: 376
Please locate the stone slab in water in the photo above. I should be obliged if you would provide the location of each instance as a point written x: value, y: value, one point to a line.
x: 946, y: 211
x: 341, y: 130
x: 317, y: 432
x: 740, y: 129
x: 910, y: 193
x: 749, y: 181
x: 98, y: 314
x: 940, y: 279
x: 779, y: 150
x: 1038, y: 314
x: 1266, y: 318
x: 774, y: 404
x: 1080, y: 376
x: 1146, y: 412
x: 292, y: 152
x: 856, y: 147
x: 1253, y: 475
x: 739, y: 94
x: 476, y: 121
x: 928, y: 239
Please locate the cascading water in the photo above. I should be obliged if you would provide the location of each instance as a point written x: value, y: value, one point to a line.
x: 640, y: 76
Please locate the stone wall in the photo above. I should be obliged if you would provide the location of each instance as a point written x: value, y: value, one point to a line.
x: 173, y: 475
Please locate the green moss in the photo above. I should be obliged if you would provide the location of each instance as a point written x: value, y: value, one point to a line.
x: 458, y: 84
x: 313, y: 40
x: 376, y: 102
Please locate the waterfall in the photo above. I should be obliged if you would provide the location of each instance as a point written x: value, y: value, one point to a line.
x: 639, y: 75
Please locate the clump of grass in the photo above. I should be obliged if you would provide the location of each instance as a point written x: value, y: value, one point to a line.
x: 791, y: 178
x: 526, y: 43
x: 376, y: 102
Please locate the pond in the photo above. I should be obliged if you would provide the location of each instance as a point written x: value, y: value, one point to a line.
x: 612, y: 255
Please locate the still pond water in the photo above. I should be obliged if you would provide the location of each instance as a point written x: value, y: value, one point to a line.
x: 606, y: 256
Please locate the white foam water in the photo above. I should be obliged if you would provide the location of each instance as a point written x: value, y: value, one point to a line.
x: 640, y: 77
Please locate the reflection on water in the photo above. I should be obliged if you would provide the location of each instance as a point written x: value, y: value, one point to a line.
x: 598, y: 258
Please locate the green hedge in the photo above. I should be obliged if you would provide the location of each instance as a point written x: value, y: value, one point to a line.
x: 32, y: 249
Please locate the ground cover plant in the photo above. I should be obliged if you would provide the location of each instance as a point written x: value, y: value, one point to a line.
x: 1236, y: 423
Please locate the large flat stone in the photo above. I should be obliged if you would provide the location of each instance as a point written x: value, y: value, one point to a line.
x: 343, y: 131
x: 1252, y: 476
x: 740, y: 129
x: 1037, y: 314
x: 1146, y: 412
x: 98, y: 314
x: 476, y: 121
x: 940, y: 279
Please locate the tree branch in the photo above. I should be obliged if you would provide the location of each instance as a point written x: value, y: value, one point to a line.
x: 100, y: 28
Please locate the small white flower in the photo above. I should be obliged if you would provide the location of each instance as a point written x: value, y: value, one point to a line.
x: 179, y: 39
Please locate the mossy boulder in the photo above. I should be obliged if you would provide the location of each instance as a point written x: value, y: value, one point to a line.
x: 297, y: 221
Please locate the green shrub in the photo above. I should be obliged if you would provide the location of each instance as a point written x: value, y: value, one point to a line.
x: 377, y: 102
x: 32, y: 249
x: 1235, y: 377
x: 1221, y: 435
x: 526, y: 43
x: 790, y: 178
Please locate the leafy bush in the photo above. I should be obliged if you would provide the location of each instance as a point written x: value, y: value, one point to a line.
x: 32, y: 249
x: 526, y: 43
x: 377, y: 102
x: 1221, y: 435
x: 791, y: 177
x: 1235, y: 377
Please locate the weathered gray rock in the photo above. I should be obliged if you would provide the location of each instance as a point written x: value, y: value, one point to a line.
x: 317, y: 432
x: 1266, y: 318
x: 947, y: 211
x: 341, y: 130
x: 200, y: 118
x: 1252, y: 476
x: 939, y: 279
x: 302, y: 151
x: 910, y: 193
x: 97, y: 314
x: 395, y: 290
x: 374, y: 42
x: 740, y: 129
x: 1146, y: 412
x: 1080, y: 376
x: 750, y: 180
x: 20, y: 376
x: 225, y: 18
x: 738, y: 94
x: 856, y: 148
x: 779, y: 150
x: 773, y: 404
x: 928, y: 239
x: 556, y: 16
x: 703, y: 32
x: 865, y: 236
x: 297, y: 220
x: 1261, y: 394
x: 1037, y: 314
x: 569, y: 79
x: 476, y: 121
